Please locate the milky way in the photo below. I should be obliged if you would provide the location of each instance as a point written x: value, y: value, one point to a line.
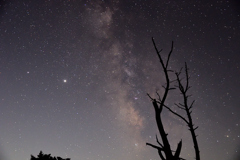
x: 74, y: 77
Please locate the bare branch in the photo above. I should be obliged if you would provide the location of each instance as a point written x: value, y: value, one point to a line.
x: 159, y: 150
x: 180, y: 106
x: 187, y: 77
x: 164, y: 87
x: 188, y: 96
x: 176, y: 114
x: 157, y: 147
x: 159, y: 97
x: 169, y: 54
x: 195, y: 128
x: 159, y: 142
x: 179, y: 147
x: 159, y: 56
x: 191, y: 104
x: 149, y: 96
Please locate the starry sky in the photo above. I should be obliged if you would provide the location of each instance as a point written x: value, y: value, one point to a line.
x: 74, y: 76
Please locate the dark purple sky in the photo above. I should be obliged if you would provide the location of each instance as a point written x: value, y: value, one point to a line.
x: 74, y: 76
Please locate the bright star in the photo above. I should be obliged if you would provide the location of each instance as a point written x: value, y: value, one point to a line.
x: 65, y: 81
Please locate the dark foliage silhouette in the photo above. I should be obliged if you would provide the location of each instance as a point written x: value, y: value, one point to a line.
x: 164, y: 149
x: 42, y: 156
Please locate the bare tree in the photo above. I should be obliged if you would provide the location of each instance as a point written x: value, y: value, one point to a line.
x: 186, y: 107
x: 164, y: 150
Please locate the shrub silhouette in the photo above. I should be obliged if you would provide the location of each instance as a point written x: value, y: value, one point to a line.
x: 42, y: 156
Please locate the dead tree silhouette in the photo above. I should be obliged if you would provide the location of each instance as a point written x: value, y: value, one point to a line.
x: 164, y: 150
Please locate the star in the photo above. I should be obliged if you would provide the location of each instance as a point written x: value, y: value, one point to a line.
x: 65, y: 81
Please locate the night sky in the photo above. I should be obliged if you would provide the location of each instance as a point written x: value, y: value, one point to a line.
x: 74, y: 76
